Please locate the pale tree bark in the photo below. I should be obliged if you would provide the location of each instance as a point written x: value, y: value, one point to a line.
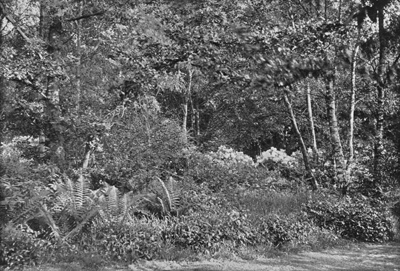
x: 352, y: 109
x: 78, y: 25
x: 338, y: 155
x: 197, y: 119
x: 303, y: 147
x: 2, y: 83
x: 378, y: 144
x: 192, y: 116
x: 186, y: 99
x: 311, y: 120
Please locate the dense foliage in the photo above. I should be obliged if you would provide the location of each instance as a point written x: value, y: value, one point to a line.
x: 166, y: 129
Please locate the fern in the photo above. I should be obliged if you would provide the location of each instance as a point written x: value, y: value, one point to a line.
x: 114, y: 206
x: 167, y: 196
x: 74, y: 203
x: 164, y: 201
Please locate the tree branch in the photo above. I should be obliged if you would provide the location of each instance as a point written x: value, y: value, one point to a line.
x: 12, y: 21
x: 85, y: 16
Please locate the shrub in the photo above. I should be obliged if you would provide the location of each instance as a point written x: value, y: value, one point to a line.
x: 228, y: 157
x: 276, y: 157
x: 210, y: 232
x: 352, y: 218
x: 20, y: 247
x: 141, y: 240
x: 224, y: 169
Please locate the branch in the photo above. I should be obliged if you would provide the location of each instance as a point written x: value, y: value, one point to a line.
x: 85, y: 16
x: 12, y: 21
x: 395, y: 62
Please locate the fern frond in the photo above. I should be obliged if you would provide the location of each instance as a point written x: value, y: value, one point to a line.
x: 66, y: 194
x: 167, y: 195
x: 79, y: 227
x: 50, y: 221
x: 113, y: 199
x: 162, y: 205
x: 175, y: 194
x: 126, y: 203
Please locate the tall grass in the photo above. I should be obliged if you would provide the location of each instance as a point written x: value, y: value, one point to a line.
x: 266, y: 203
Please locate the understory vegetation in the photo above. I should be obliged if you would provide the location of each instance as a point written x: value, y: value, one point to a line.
x: 221, y: 204
x: 176, y: 129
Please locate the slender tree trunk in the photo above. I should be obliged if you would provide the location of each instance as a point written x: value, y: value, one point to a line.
x: 352, y: 109
x: 185, y: 105
x: 54, y: 127
x: 192, y: 116
x: 378, y: 144
x: 338, y: 155
x: 340, y: 11
x: 300, y: 138
x: 79, y: 56
x: 184, y: 122
x: 2, y: 85
x: 197, y: 118
x: 3, y: 211
x: 41, y: 21
x: 311, y: 120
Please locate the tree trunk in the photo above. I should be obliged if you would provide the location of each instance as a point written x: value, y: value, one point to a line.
x: 2, y: 85
x: 197, y: 119
x: 378, y: 144
x: 78, y: 24
x: 300, y: 139
x: 184, y: 122
x: 338, y: 155
x: 352, y: 109
x: 54, y: 128
x: 311, y: 120
x: 192, y: 117
x: 185, y: 105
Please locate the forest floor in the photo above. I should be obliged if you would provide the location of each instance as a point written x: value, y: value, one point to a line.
x: 364, y: 257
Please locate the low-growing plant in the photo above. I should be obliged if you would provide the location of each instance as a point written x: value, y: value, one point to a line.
x: 352, y: 218
x: 267, y: 202
x: 224, y: 169
x: 19, y: 246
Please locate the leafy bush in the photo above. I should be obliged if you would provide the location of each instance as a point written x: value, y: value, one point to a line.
x: 352, y: 218
x: 209, y: 232
x: 274, y: 157
x: 20, y: 246
x: 140, y: 240
x: 224, y: 169
x: 228, y: 157
x: 141, y: 148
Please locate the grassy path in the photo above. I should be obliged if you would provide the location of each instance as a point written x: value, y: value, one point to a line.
x: 369, y: 257
x: 383, y: 257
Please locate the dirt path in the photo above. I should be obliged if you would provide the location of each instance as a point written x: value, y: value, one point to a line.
x: 367, y: 258
x: 385, y: 257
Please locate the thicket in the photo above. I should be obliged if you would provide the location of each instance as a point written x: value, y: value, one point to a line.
x: 166, y: 129
x: 220, y: 203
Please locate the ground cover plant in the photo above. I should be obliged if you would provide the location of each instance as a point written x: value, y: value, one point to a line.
x: 162, y: 223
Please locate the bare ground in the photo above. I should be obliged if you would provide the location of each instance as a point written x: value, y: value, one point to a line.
x: 369, y: 257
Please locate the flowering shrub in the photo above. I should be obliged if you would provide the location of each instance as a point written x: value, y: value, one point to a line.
x: 276, y: 156
x: 224, y: 168
x: 228, y: 157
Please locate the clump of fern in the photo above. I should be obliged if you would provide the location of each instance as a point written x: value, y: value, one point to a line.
x: 163, y: 199
x: 116, y: 207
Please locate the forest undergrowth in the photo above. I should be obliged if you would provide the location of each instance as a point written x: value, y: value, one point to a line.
x: 221, y: 204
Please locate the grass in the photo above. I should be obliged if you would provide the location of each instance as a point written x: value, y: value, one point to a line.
x: 269, y: 202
